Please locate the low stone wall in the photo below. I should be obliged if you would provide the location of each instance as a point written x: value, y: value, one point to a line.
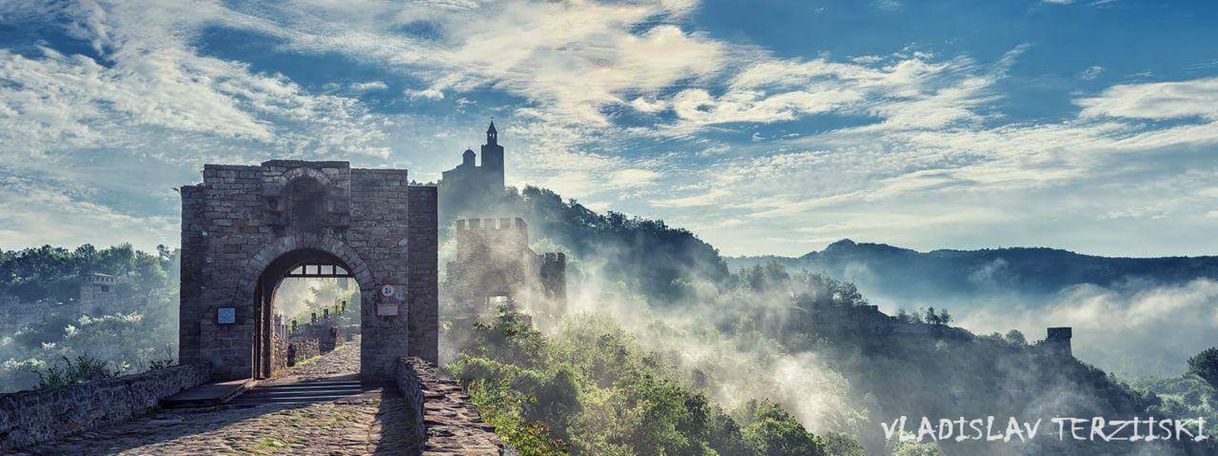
x: 305, y: 348
x: 450, y: 424
x: 31, y: 417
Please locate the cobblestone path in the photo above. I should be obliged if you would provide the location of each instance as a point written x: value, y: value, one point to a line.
x: 374, y: 422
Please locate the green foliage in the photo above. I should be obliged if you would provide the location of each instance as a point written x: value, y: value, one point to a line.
x: 1015, y: 337
x: 1205, y: 365
x: 917, y: 449
x: 84, y: 369
x: 590, y: 389
x: 774, y: 432
x: 1187, y: 396
x: 838, y: 444
x: 503, y: 408
x: 139, y: 329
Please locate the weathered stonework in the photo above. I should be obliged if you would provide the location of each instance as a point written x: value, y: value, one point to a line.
x: 304, y: 348
x: 244, y: 227
x: 280, y: 355
x: 451, y: 424
x: 493, y: 261
x: 1057, y: 341
x: 31, y: 417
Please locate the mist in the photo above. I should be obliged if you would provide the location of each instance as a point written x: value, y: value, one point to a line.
x: 1133, y: 329
x: 781, y: 334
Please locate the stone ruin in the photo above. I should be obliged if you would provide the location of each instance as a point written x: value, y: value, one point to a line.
x: 1057, y: 341
x: 494, y: 265
x: 98, y: 292
x: 245, y: 228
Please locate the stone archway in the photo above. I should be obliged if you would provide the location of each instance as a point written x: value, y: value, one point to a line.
x: 272, y: 275
x: 242, y: 225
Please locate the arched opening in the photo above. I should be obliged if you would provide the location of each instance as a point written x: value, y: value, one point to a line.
x: 303, y: 294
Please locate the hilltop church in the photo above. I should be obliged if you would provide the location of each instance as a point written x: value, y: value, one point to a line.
x: 470, y: 184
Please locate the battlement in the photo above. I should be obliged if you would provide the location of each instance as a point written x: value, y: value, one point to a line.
x: 503, y: 223
x: 555, y: 258
x: 1060, y: 333
x: 99, y: 279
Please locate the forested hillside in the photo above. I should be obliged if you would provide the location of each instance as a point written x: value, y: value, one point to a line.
x: 950, y: 274
x: 1033, y: 288
x: 139, y: 329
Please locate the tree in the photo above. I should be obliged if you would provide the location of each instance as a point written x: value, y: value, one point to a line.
x: 1205, y: 365
x: 774, y: 432
x: 1014, y: 337
x: 944, y: 317
x: 839, y: 444
x: 932, y: 317
x: 917, y: 449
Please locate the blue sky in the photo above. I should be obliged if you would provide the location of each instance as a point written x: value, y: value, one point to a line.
x: 772, y: 127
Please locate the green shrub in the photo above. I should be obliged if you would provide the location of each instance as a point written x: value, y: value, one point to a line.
x: 83, y: 370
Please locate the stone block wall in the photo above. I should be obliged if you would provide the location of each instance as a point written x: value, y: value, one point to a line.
x: 423, y: 293
x: 305, y: 348
x: 279, y: 356
x: 450, y: 423
x: 31, y: 417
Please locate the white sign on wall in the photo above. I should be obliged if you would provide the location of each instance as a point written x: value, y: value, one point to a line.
x: 387, y: 309
x: 387, y: 291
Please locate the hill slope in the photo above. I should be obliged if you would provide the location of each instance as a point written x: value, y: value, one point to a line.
x: 889, y: 270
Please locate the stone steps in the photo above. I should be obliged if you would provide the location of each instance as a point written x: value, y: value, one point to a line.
x: 299, y: 393
x: 208, y: 395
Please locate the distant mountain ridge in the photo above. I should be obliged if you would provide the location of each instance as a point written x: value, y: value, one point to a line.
x: 892, y: 270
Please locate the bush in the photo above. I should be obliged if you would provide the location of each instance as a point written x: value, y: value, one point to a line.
x: 85, y: 369
x: 1205, y: 365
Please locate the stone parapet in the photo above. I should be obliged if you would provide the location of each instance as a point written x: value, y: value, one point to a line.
x: 450, y: 423
x: 31, y: 417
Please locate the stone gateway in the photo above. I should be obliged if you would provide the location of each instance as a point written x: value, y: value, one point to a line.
x: 247, y: 227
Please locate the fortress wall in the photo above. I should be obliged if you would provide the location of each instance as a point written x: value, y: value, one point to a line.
x: 31, y: 417
x: 449, y: 422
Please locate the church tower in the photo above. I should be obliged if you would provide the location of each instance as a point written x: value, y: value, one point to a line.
x: 492, y: 158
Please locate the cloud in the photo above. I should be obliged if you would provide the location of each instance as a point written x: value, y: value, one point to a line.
x: 150, y: 82
x: 1120, y: 327
x: 37, y: 214
x: 1091, y: 72
x: 732, y: 130
x: 571, y: 59
x: 369, y: 86
x: 633, y: 178
x: 700, y: 200
x: 1155, y: 101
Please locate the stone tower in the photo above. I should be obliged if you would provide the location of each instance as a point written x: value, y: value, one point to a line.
x: 493, y: 261
x: 492, y: 158
x: 1058, y: 341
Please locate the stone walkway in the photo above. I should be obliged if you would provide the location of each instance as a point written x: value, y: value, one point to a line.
x: 375, y: 422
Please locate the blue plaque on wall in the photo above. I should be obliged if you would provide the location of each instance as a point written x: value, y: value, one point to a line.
x: 226, y: 315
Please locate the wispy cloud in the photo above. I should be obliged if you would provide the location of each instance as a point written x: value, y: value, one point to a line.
x: 629, y: 105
